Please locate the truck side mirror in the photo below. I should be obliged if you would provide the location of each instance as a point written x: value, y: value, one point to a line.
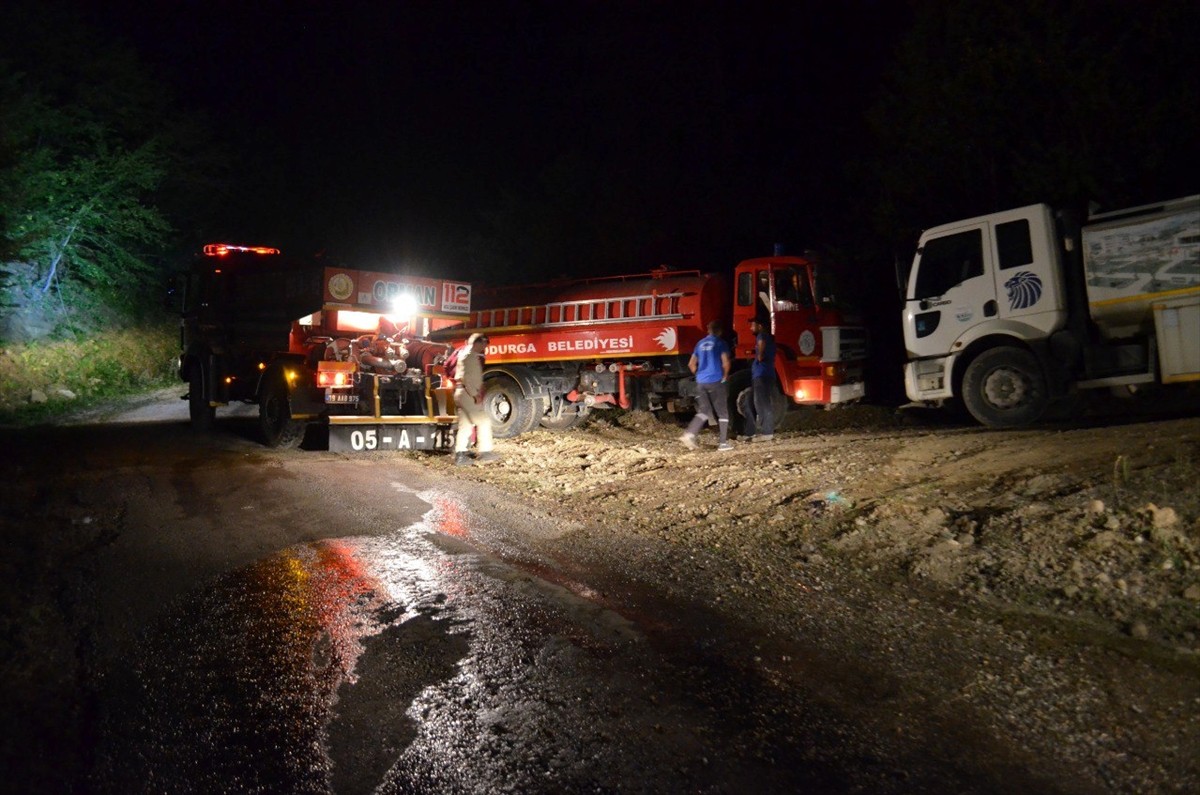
x: 901, y: 277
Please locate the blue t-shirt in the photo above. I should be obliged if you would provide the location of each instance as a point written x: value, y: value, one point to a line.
x: 765, y: 368
x: 709, y: 369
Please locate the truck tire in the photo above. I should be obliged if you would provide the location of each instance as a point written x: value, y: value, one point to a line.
x: 200, y: 411
x: 512, y: 413
x: 744, y: 398
x: 739, y: 401
x: 779, y: 402
x: 275, y: 416
x: 779, y: 406
x: 1005, y: 388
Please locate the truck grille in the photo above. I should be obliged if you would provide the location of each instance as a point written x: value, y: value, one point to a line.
x: 843, y: 343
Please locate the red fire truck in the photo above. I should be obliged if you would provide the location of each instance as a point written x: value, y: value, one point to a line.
x: 560, y: 349
x: 311, y: 342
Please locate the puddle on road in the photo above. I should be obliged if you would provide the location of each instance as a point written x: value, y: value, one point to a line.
x: 371, y: 727
x: 235, y: 687
x: 298, y: 672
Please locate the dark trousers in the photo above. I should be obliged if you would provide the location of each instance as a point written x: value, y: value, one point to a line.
x: 712, y: 400
x: 761, y: 419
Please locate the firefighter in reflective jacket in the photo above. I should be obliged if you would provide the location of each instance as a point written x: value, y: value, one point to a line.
x: 468, y: 399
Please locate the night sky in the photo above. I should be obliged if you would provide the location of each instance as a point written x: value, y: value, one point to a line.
x: 396, y: 132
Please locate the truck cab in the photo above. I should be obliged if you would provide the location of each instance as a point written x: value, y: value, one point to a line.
x: 1014, y: 310
x: 1001, y: 268
x: 820, y: 347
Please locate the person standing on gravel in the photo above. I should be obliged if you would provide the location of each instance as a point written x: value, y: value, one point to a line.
x: 760, y: 421
x: 468, y: 400
x: 710, y: 362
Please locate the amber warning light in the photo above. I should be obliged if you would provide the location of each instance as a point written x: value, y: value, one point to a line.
x: 325, y: 378
x: 335, y: 374
x: 222, y: 249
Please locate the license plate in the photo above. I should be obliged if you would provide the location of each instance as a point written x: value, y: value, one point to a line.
x: 367, y: 438
x: 340, y: 397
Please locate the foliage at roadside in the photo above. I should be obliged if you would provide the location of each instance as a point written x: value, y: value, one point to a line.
x: 90, y: 147
x: 75, y: 374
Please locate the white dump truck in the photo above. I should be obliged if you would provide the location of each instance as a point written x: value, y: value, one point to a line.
x: 1014, y: 311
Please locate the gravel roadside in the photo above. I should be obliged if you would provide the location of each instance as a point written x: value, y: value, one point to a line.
x: 1036, y: 590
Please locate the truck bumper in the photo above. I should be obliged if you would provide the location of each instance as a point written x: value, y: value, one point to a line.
x: 847, y: 392
x: 818, y: 391
x: 369, y: 434
x: 929, y: 379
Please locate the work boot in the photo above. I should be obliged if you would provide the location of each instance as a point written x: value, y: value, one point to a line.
x: 462, y: 460
x: 487, y: 458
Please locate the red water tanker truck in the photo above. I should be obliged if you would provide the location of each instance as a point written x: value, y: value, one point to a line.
x: 558, y: 350
x: 311, y: 342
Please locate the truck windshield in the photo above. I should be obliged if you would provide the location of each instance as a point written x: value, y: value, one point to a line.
x: 948, y: 261
x: 791, y: 289
x: 826, y: 286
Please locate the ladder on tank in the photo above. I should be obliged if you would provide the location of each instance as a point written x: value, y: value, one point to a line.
x: 622, y: 309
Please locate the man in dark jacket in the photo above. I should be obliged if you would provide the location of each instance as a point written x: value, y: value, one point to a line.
x: 760, y: 421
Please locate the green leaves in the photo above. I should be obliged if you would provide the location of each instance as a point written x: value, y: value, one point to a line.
x: 86, y: 144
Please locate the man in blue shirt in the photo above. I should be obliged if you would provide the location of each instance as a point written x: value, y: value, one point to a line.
x: 762, y: 380
x: 710, y: 362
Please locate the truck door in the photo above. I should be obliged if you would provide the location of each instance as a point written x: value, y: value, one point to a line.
x: 1026, y: 275
x: 950, y: 290
x: 794, y: 319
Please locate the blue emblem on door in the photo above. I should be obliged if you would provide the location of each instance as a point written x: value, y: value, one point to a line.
x: 1024, y: 290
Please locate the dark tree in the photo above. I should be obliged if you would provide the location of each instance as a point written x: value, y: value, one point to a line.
x: 993, y: 105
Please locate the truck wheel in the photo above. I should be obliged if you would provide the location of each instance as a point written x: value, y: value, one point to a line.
x: 739, y: 401
x: 275, y: 417
x: 200, y: 412
x: 780, y: 403
x: 779, y: 406
x: 1004, y: 388
x: 570, y: 417
x: 743, y: 401
x: 512, y: 414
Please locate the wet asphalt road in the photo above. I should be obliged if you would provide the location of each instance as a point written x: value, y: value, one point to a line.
x: 309, y: 622
x: 412, y: 662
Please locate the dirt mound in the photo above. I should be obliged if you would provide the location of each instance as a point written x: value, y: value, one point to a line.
x: 1098, y: 522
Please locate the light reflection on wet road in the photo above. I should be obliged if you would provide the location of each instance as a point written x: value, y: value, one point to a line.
x: 414, y: 662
